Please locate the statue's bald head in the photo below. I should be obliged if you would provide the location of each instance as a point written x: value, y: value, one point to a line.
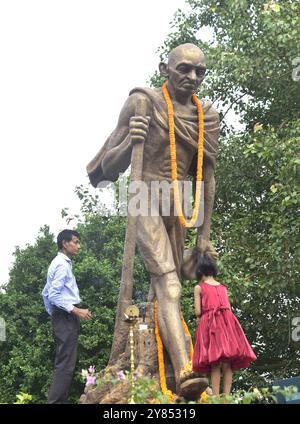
x: 185, y: 51
x: 185, y: 69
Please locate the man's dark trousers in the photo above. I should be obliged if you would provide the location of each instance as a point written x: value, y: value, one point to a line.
x: 66, y: 331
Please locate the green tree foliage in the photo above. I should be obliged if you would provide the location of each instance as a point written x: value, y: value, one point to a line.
x: 27, y: 355
x: 252, y: 55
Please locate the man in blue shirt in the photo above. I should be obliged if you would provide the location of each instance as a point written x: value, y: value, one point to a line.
x: 61, y: 299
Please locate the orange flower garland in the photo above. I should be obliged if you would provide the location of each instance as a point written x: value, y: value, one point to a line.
x: 161, y: 365
x: 160, y: 350
x: 186, y: 330
x: 183, y: 221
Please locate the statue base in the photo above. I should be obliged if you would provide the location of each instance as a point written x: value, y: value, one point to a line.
x: 146, y: 364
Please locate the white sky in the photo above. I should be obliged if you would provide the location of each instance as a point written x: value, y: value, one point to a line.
x: 66, y: 69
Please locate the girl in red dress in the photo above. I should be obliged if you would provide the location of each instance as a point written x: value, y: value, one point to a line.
x: 220, y: 343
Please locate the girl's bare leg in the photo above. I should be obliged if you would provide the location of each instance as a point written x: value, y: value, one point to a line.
x: 215, y: 379
x: 227, y: 378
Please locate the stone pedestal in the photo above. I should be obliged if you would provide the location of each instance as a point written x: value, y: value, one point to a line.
x: 146, y: 364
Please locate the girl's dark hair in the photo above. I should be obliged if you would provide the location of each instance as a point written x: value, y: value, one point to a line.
x: 206, y: 266
x: 67, y: 236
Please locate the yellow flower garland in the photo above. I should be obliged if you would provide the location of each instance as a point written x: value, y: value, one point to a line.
x: 160, y: 351
x: 183, y: 221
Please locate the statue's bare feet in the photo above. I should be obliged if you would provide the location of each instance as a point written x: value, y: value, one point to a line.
x: 191, y: 384
x: 192, y: 388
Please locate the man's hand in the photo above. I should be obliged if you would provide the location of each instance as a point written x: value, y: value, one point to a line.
x: 139, y: 127
x: 81, y: 313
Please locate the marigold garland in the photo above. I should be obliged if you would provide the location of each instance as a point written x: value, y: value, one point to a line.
x: 204, y: 398
x: 160, y: 351
x: 186, y: 330
x: 183, y: 221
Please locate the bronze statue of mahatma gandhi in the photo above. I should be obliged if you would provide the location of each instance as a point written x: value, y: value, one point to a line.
x: 161, y: 238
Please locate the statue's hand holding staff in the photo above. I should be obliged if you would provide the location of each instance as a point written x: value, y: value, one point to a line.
x: 138, y: 128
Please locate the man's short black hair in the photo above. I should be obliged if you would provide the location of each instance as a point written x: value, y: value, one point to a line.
x: 67, y: 236
x: 206, y: 266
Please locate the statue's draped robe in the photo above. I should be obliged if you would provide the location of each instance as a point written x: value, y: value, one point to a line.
x: 161, y: 238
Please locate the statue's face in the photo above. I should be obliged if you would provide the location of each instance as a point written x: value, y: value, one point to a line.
x: 186, y: 70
